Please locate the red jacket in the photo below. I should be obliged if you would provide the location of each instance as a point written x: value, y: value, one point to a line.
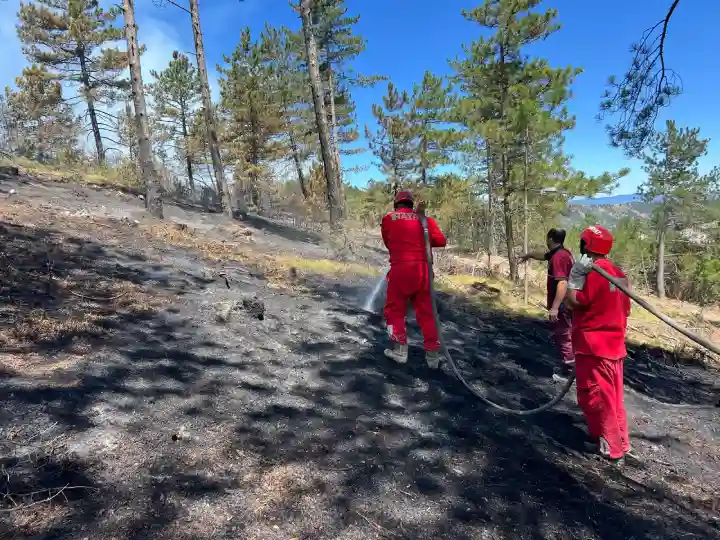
x: 402, y: 234
x: 599, y: 322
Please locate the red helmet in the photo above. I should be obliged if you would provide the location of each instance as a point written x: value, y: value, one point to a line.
x: 596, y: 239
x: 404, y: 196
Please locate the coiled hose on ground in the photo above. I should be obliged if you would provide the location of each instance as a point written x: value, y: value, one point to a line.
x: 566, y: 387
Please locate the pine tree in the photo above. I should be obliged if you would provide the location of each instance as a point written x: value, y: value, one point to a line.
x: 253, y: 113
x: 500, y: 83
x: 7, y: 128
x: 44, y: 123
x: 127, y: 130
x: 431, y: 114
x: 208, y: 110
x: 176, y: 93
x: 71, y: 38
x: 393, y: 141
x: 329, y: 160
x: 338, y: 46
x: 149, y: 175
x: 647, y: 86
x: 282, y: 51
x: 675, y: 184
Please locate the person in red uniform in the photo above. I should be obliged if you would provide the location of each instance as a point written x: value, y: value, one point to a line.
x: 560, y: 261
x: 600, y: 314
x: 408, y: 280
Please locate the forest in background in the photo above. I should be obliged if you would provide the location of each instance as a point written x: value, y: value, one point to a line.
x: 484, y: 145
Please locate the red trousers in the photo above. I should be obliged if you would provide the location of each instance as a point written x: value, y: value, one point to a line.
x: 562, y: 334
x: 600, y: 396
x: 409, y: 283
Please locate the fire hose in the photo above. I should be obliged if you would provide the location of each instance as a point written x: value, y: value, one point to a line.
x: 566, y: 387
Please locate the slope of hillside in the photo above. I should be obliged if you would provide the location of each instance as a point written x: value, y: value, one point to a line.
x: 200, y: 379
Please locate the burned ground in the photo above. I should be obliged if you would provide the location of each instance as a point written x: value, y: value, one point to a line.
x: 159, y: 422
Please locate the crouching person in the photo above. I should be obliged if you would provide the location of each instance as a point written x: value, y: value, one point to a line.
x: 408, y: 280
x: 600, y: 313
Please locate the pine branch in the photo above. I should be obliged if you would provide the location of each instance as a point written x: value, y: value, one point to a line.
x: 648, y: 86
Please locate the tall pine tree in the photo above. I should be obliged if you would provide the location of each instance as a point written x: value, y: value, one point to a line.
x: 392, y: 141
x: 498, y: 81
x: 251, y: 110
x: 70, y: 39
x: 176, y: 93
x: 329, y: 159
x: 148, y: 172
x: 431, y: 116
x: 282, y: 52
x: 675, y: 184
x: 44, y: 123
x: 338, y: 46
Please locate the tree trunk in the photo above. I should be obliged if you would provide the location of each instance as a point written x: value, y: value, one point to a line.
x: 331, y: 179
x: 334, y: 142
x: 661, y: 261
x: 491, y: 247
x: 333, y: 121
x: 507, y: 211
x: 298, y: 166
x: 209, y: 110
x: 186, y: 143
x: 90, y: 100
x: 423, y: 160
x: 525, y: 219
x: 153, y: 191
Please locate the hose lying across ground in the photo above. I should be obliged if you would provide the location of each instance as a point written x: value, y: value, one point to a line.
x: 566, y: 388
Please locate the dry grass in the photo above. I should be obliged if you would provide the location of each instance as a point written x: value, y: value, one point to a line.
x: 117, y: 177
x: 88, y: 300
x: 277, y: 268
x: 276, y: 486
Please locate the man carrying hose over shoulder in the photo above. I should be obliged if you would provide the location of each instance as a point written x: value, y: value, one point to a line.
x: 600, y: 313
x: 408, y: 279
x: 560, y: 261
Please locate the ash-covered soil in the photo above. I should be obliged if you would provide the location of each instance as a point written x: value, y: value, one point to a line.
x: 143, y: 417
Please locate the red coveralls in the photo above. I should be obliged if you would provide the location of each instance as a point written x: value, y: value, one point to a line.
x: 560, y: 262
x: 598, y: 335
x: 408, y: 279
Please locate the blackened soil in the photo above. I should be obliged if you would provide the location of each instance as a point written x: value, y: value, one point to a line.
x: 174, y: 426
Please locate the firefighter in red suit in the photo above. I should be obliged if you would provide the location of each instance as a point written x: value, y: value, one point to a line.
x: 408, y: 280
x: 600, y: 313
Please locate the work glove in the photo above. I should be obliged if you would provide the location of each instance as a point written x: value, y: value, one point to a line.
x: 579, y: 272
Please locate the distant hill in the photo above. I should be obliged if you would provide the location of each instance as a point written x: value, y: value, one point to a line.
x: 607, y: 210
x: 613, y: 199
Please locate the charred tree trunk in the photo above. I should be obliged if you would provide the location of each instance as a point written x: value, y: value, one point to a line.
x: 209, y: 111
x: 491, y: 247
x: 298, y: 167
x: 90, y: 100
x: 509, y: 228
x: 660, y: 275
x: 423, y: 161
x: 334, y: 143
x: 153, y: 191
x: 331, y: 178
x: 186, y: 144
x: 526, y: 277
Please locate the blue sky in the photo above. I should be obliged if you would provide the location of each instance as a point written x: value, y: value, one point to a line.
x: 407, y: 37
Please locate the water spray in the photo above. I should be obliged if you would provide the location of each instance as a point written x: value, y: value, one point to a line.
x: 378, y: 292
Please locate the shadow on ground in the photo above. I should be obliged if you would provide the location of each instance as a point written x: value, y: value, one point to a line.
x: 282, y: 230
x: 291, y: 427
